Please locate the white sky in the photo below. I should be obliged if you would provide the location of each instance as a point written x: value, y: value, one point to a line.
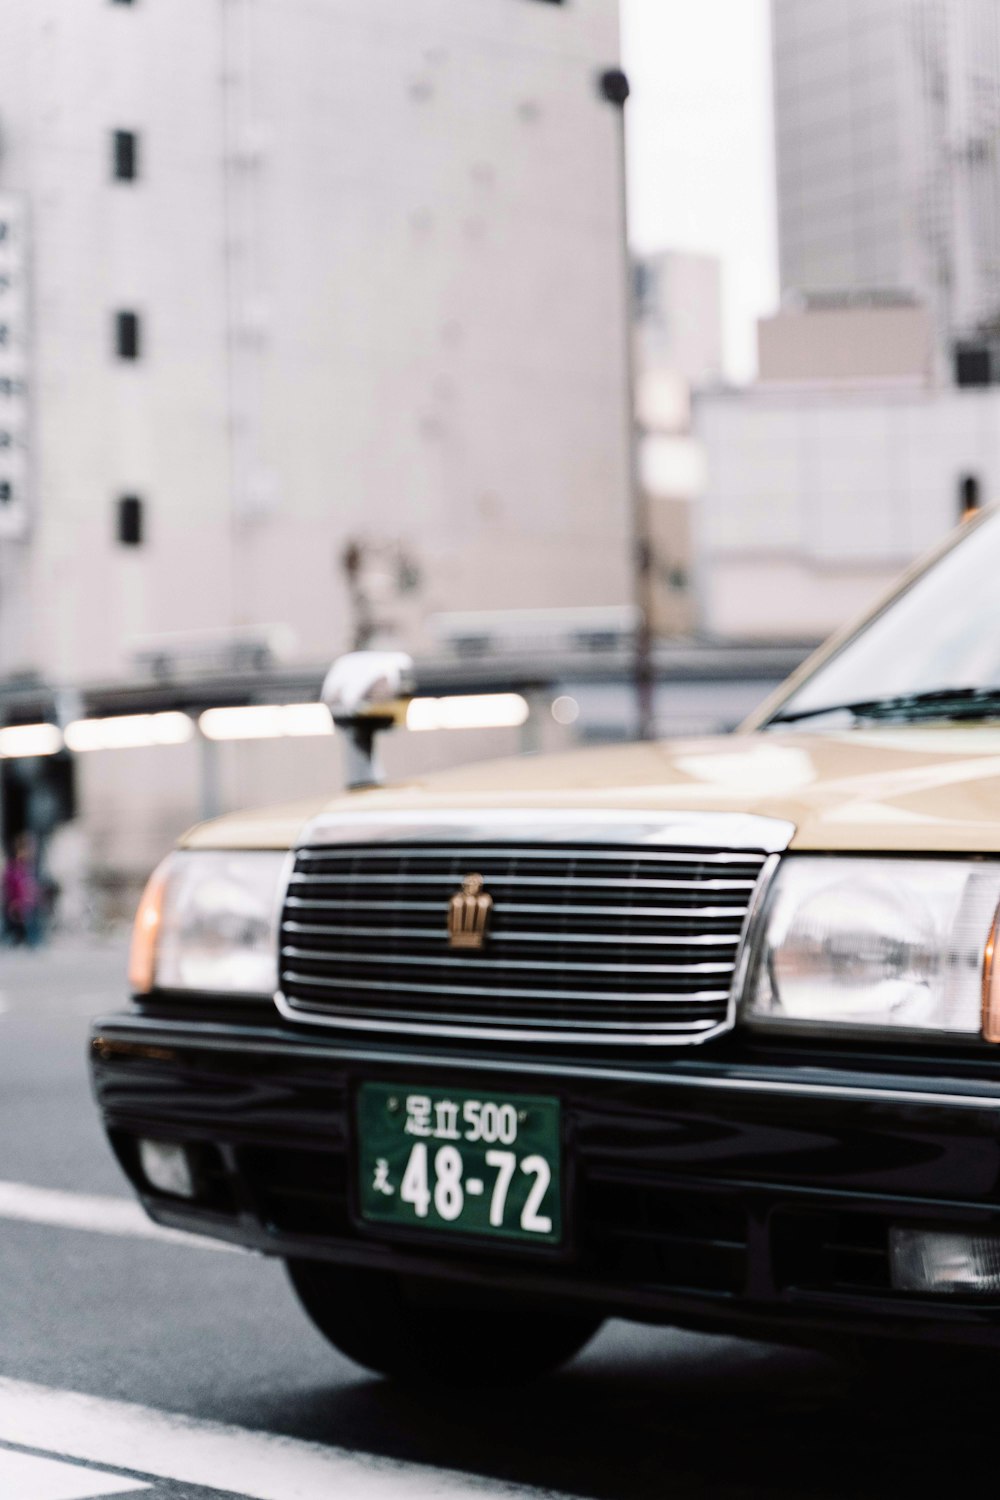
x: 701, y: 173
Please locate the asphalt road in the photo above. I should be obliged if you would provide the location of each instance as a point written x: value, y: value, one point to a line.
x: 149, y: 1331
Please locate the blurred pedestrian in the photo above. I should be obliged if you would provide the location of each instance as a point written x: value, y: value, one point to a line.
x: 21, y: 895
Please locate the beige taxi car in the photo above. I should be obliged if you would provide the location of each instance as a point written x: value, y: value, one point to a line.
x: 701, y: 1033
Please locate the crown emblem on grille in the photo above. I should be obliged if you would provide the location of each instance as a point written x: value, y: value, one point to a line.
x: 469, y: 914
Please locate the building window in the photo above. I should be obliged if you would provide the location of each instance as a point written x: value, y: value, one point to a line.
x: 973, y: 365
x: 127, y: 335
x: 124, y: 155
x: 970, y: 497
x: 129, y: 521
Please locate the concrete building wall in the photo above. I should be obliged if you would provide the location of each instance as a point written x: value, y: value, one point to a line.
x: 884, y: 345
x: 815, y: 501
x: 375, y: 254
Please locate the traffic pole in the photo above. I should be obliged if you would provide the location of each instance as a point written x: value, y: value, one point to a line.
x: 613, y: 87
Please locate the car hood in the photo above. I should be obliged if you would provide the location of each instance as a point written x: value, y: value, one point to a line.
x: 906, y: 788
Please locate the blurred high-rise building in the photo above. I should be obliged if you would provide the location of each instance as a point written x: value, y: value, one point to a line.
x: 888, y: 157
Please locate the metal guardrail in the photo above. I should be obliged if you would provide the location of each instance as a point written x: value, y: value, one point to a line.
x: 34, y: 701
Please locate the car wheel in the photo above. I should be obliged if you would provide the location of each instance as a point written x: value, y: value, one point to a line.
x: 410, y: 1329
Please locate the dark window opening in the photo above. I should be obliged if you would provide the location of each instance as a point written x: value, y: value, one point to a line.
x: 970, y: 496
x: 973, y: 365
x: 6, y: 492
x: 125, y: 155
x: 127, y: 335
x: 129, y: 521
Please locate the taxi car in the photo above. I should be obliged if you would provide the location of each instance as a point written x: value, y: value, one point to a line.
x: 701, y: 1033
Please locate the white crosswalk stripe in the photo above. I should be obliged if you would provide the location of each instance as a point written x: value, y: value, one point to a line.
x: 258, y: 1465
x: 93, y: 1212
x: 25, y: 1476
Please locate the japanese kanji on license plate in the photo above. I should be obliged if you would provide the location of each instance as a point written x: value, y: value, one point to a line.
x: 447, y: 1159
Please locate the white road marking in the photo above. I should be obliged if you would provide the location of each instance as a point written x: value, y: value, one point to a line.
x: 259, y: 1465
x: 23, y: 1476
x: 99, y: 1215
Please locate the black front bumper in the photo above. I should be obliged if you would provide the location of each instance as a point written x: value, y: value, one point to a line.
x: 747, y: 1196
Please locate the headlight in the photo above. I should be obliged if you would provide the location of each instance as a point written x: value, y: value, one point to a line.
x: 885, y: 943
x: 209, y: 921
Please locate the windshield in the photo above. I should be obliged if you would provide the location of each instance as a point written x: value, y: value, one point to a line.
x: 942, y: 633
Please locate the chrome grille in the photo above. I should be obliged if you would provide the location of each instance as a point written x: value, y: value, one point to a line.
x: 598, y: 944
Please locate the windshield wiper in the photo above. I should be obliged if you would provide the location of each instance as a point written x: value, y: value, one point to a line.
x: 908, y: 708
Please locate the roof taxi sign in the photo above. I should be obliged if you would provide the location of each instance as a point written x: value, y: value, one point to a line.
x: 13, y: 366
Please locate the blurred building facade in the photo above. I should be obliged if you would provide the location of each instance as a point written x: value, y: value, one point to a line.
x: 678, y: 351
x: 818, y: 498
x: 318, y: 324
x: 887, y: 125
x: 873, y: 422
x: 306, y: 278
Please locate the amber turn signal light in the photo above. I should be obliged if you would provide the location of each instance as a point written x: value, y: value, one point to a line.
x: 991, y: 983
x: 145, y: 933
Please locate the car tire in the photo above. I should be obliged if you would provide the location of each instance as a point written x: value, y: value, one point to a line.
x: 414, y: 1330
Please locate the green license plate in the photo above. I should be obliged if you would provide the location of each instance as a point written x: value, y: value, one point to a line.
x: 447, y: 1159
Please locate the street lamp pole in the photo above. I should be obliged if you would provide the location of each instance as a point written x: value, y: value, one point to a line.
x: 613, y: 87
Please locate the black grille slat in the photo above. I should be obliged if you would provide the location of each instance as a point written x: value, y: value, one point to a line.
x: 502, y: 929
x: 444, y: 996
x: 582, y: 939
x: 698, y: 965
x: 524, y: 1020
x: 507, y: 982
x: 328, y: 902
x: 392, y: 854
x: 613, y: 987
x: 677, y: 882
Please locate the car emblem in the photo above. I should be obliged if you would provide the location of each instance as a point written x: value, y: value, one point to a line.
x: 469, y: 914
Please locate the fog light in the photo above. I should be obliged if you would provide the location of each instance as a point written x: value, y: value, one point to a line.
x: 166, y: 1167
x: 931, y: 1261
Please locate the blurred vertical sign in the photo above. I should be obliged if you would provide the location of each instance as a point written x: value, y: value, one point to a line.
x: 13, y: 365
